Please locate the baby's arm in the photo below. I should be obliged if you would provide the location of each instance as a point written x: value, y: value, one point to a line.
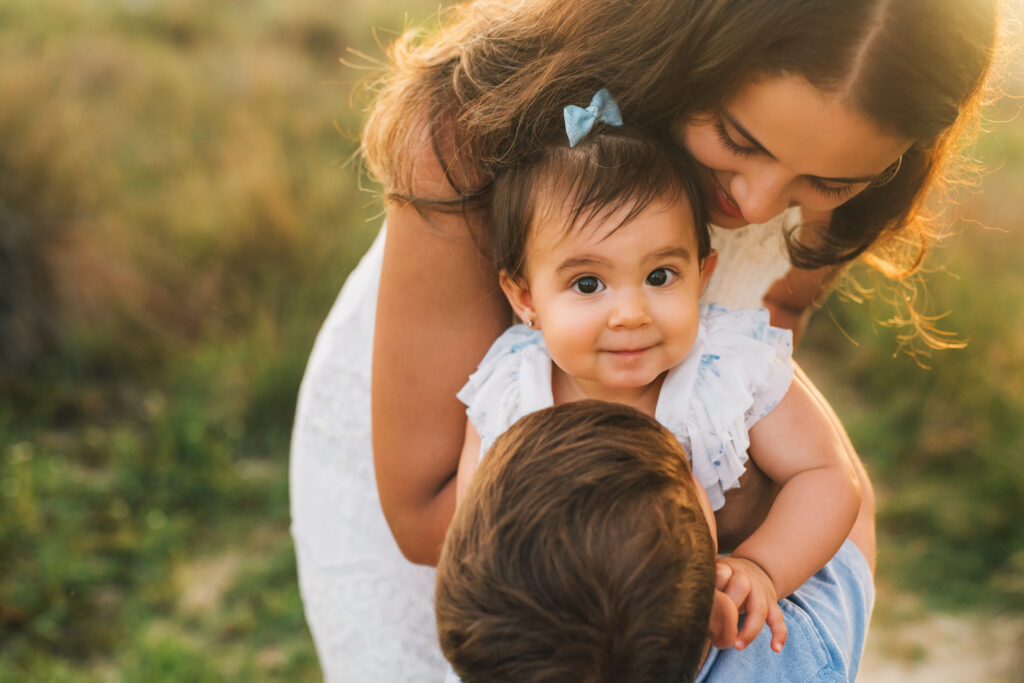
x: 468, y: 461
x: 798, y: 448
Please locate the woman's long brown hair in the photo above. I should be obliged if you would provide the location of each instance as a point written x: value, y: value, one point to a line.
x: 487, y: 90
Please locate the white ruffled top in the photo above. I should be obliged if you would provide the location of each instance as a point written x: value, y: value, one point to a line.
x: 739, y: 369
x: 750, y: 260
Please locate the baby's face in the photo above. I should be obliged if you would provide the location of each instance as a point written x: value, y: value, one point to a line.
x: 618, y: 307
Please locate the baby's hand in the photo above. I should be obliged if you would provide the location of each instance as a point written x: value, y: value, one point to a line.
x: 752, y: 591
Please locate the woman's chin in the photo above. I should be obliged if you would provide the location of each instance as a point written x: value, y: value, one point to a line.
x: 720, y: 219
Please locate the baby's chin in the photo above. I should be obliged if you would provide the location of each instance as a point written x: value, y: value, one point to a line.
x: 637, y: 382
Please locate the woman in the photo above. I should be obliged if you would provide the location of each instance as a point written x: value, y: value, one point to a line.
x: 832, y: 116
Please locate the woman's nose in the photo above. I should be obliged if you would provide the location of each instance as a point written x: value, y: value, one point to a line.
x: 762, y: 193
x: 629, y: 311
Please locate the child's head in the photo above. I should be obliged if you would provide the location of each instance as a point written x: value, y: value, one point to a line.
x: 582, y: 551
x: 605, y: 248
x: 612, y: 169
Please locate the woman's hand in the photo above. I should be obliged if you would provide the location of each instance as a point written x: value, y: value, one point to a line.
x: 792, y: 298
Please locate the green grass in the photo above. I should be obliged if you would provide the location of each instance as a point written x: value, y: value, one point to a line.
x: 176, y: 217
x: 181, y: 212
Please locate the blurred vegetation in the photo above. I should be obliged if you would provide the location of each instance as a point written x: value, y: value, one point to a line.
x: 176, y: 216
x: 943, y: 434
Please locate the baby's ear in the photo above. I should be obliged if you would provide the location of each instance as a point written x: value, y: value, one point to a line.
x: 707, y: 267
x: 518, y: 295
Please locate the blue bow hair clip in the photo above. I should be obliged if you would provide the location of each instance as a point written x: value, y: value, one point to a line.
x: 579, y: 121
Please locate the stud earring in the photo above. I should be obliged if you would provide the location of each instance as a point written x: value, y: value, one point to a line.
x: 886, y: 176
x: 529, y: 323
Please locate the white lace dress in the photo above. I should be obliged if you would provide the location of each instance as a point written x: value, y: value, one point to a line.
x: 371, y: 611
x: 740, y: 367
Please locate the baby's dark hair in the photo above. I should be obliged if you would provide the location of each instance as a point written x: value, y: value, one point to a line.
x: 610, y: 169
x: 579, y: 554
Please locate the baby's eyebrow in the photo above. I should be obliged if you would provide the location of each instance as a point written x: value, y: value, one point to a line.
x: 678, y: 252
x: 580, y: 262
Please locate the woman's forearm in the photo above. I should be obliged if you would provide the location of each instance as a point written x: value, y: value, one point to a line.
x: 438, y: 310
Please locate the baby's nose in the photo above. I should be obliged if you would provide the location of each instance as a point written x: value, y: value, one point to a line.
x: 630, y: 311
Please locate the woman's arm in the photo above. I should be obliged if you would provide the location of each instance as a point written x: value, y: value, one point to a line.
x: 439, y: 308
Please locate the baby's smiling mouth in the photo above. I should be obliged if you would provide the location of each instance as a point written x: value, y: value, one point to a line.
x: 634, y: 351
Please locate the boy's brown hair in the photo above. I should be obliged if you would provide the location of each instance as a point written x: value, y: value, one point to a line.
x: 580, y: 553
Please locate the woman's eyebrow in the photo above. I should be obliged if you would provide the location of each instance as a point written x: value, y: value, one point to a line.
x: 754, y: 141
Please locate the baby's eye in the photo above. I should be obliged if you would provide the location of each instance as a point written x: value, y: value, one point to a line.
x: 588, y: 284
x: 659, y: 277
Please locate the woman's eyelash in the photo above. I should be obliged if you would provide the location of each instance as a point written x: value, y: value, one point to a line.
x: 832, y: 192
x: 730, y: 144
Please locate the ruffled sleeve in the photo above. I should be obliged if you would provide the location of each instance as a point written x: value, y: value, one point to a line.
x: 513, y: 380
x: 739, y: 370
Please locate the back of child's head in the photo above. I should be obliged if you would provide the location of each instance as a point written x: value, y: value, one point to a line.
x: 579, y: 554
x: 611, y: 169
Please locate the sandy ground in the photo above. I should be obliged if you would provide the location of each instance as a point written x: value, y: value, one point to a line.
x: 909, y: 645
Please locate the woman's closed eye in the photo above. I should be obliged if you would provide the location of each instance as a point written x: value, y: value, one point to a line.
x: 659, y: 277
x: 832, y: 192
x: 587, y: 284
x: 731, y: 145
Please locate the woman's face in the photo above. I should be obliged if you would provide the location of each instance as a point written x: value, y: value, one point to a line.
x: 780, y: 142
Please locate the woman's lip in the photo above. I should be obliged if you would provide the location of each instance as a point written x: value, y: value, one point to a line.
x: 723, y: 200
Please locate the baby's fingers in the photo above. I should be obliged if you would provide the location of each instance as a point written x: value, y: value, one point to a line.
x: 777, y: 623
x: 757, y: 612
x: 722, y: 625
x: 723, y: 572
x: 738, y: 588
